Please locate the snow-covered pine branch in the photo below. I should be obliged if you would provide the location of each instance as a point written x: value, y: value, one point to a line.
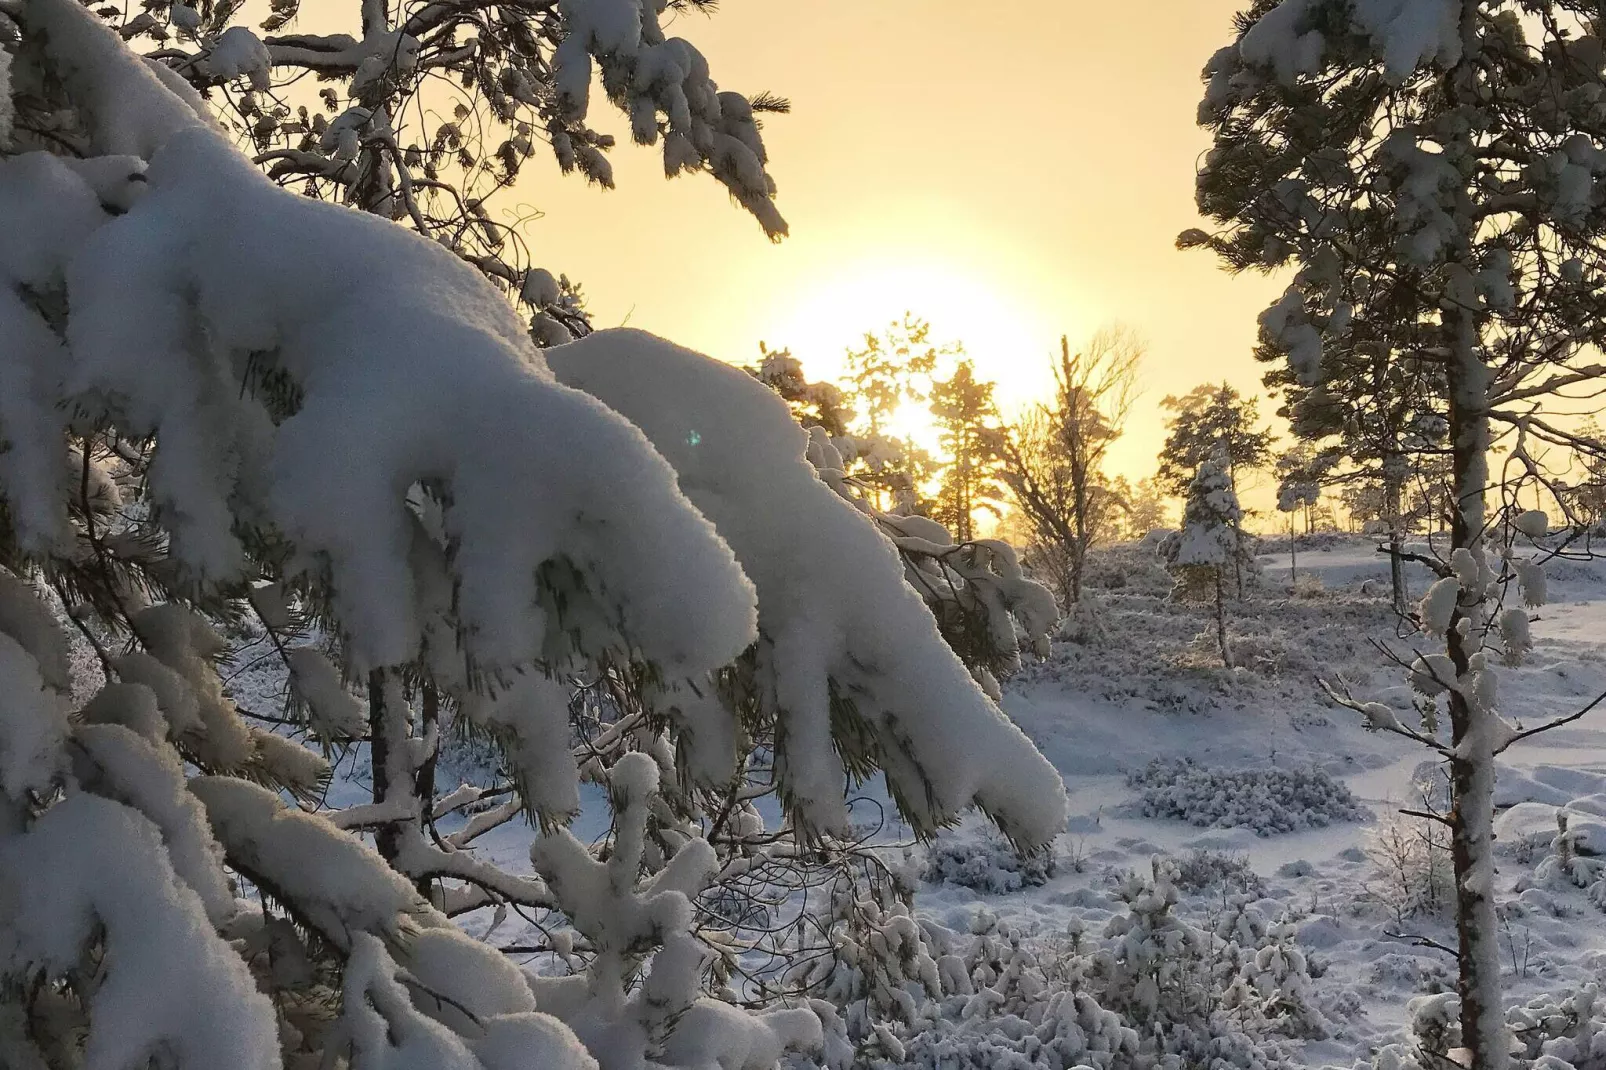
x: 224, y: 399
x: 430, y: 121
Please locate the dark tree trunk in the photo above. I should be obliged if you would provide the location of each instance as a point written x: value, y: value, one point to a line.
x: 1221, y: 622
x: 1293, y: 551
x: 1483, y: 1027
x: 381, y: 734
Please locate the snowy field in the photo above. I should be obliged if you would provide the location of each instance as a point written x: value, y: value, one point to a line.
x: 1104, y: 710
x: 1276, y: 806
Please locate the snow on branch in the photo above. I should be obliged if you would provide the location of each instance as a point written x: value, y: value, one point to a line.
x: 407, y: 368
x: 841, y: 633
x: 92, y: 866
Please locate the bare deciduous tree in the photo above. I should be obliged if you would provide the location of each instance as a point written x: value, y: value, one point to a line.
x: 1054, y: 455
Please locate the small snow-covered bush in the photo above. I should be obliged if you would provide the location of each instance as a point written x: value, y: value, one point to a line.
x: 1309, y: 585
x: 1571, y: 1029
x: 1201, y: 869
x: 1548, y: 1033
x: 987, y: 864
x: 1269, y: 801
x: 1221, y: 991
x: 1154, y: 989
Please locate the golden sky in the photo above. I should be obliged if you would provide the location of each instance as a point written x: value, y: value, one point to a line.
x: 1010, y: 171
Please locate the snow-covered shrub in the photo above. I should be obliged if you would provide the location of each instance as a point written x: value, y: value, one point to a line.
x: 1269, y: 654
x: 1570, y: 1029
x: 1217, y: 993
x: 1009, y: 1000
x: 986, y: 863
x: 1084, y: 621
x: 1154, y: 989
x: 224, y: 399
x: 1547, y: 1033
x: 1131, y: 568
x: 1571, y: 863
x: 1269, y: 801
x: 1275, y: 982
x: 1202, y: 869
x: 879, y: 973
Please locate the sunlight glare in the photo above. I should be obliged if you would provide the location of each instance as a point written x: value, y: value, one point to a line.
x: 1009, y: 342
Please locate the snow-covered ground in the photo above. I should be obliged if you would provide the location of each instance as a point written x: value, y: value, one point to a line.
x: 1128, y: 696
x: 1105, y: 709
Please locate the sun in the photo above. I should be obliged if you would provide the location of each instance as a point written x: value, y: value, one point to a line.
x: 1010, y: 342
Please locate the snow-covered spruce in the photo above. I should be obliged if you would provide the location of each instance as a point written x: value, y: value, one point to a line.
x: 1268, y: 801
x: 1211, y: 550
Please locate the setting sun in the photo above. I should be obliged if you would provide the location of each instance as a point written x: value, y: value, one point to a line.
x: 1009, y: 341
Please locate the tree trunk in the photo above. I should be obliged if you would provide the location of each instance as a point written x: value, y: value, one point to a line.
x: 381, y: 736
x: 1293, y: 552
x: 1221, y: 623
x: 1391, y: 504
x: 1472, y: 722
x: 1079, y: 480
x: 424, y: 781
x: 1238, y: 560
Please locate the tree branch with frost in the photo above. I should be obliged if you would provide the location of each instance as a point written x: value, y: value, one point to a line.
x: 1433, y: 564
x: 1378, y: 717
x: 1419, y: 940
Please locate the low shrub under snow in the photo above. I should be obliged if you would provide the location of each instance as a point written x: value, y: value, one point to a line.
x: 988, y: 864
x: 1269, y: 801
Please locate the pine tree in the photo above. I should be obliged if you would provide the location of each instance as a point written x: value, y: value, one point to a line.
x: 985, y: 607
x: 1210, y: 543
x: 1207, y: 421
x: 1376, y: 415
x: 813, y: 404
x: 967, y: 422
x: 1431, y: 168
x: 1587, y: 494
x: 228, y: 407
x: 1300, y: 472
x: 1146, y: 506
x: 893, y: 369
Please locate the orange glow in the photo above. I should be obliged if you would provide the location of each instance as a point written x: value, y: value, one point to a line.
x: 1009, y: 177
